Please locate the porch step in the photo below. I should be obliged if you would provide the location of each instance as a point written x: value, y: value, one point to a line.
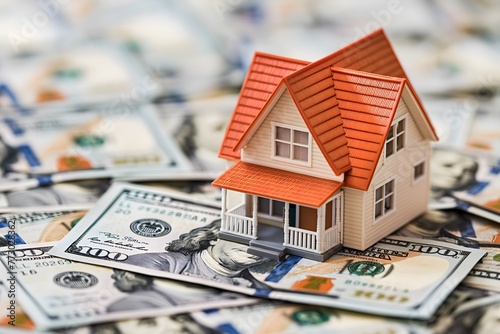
x: 265, y: 248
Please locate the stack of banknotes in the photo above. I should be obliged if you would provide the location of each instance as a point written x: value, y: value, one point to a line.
x: 111, y: 116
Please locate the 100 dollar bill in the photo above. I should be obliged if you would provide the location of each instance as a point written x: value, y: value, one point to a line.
x: 467, y: 180
x: 45, y: 149
x: 467, y: 230
x: 58, y: 292
x: 36, y: 227
x: 167, y: 235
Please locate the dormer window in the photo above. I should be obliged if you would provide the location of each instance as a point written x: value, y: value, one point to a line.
x: 396, y: 139
x: 291, y: 143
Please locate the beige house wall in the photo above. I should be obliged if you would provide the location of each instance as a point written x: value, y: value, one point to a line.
x: 353, y: 218
x: 259, y: 148
x: 411, y: 196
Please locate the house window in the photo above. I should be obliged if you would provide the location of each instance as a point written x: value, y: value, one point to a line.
x: 384, y: 199
x: 418, y: 171
x: 291, y: 143
x: 270, y: 207
x: 395, y: 141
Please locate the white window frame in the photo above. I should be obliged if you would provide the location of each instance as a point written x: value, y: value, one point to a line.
x: 395, y: 150
x: 292, y: 128
x: 384, y: 196
x: 418, y: 179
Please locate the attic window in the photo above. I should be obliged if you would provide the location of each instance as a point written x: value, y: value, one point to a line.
x: 396, y: 140
x: 291, y: 143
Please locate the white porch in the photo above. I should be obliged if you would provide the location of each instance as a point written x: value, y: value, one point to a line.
x: 244, y: 219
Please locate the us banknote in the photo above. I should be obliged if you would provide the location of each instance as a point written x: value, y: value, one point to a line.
x: 13, y: 319
x: 58, y: 292
x: 199, y: 126
x: 157, y: 233
x: 466, y: 180
x: 467, y: 230
x: 82, y: 195
x: 277, y: 317
x: 485, y: 134
x: 67, y: 196
x: 37, y: 227
x: 173, y: 324
x: 20, y: 323
x: 479, y: 315
x: 86, y: 73
x: 83, y: 144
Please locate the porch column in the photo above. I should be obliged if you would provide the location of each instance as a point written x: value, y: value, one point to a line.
x: 223, y: 210
x: 341, y: 218
x: 254, y: 216
x: 286, y: 222
x: 320, y: 229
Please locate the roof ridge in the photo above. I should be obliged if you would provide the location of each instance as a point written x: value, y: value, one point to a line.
x: 327, y: 58
x: 277, y: 57
x: 368, y: 75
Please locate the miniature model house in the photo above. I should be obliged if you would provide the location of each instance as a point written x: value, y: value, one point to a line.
x: 326, y: 154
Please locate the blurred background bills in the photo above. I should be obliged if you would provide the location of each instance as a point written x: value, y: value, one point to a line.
x: 93, y: 93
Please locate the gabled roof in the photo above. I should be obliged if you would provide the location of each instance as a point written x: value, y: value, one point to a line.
x: 348, y: 110
x: 313, y: 90
x: 264, y: 74
x: 373, y: 53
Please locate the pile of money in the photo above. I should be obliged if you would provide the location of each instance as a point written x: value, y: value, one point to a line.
x: 111, y: 117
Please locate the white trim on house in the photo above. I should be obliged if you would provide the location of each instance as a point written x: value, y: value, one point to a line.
x: 241, y: 223
x: 422, y: 122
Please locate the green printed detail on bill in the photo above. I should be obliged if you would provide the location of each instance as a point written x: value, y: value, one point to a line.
x: 74, y: 222
x: 365, y: 268
x: 71, y: 73
x: 89, y: 140
x: 310, y: 317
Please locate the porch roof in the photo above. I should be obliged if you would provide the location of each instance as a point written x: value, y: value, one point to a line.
x: 277, y: 184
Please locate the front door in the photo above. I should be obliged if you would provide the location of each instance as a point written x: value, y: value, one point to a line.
x: 270, y: 211
x: 270, y: 215
x: 292, y: 214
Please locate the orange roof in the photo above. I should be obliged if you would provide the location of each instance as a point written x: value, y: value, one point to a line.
x: 312, y: 90
x: 277, y: 184
x: 368, y: 103
x: 348, y: 101
x: 264, y: 75
x: 373, y: 53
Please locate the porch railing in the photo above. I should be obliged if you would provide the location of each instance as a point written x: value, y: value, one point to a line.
x: 332, y: 237
x: 308, y: 240
x: 303, y: 239
x: 236, y: 222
